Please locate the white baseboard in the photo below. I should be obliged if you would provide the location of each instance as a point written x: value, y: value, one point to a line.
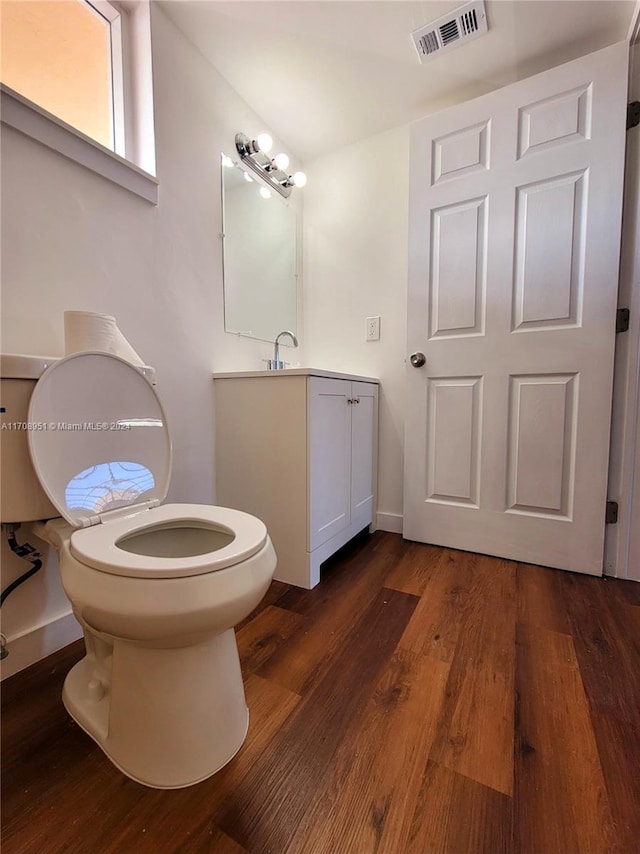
x: 39, y: 642
x: 391, y: 522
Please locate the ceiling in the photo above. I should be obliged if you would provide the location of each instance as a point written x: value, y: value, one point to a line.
x: 326, y: 73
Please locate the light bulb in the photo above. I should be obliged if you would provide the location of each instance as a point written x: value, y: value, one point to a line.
x: 266, y: 194
x: 265, y: 143
x: 248, y: 177
x: 299, y: 179
x: 281, y: 160
x: 226, y: 160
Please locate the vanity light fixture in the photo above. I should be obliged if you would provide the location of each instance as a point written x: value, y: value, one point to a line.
x: 254, y: 155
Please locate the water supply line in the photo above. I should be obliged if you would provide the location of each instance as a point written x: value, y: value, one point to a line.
x: 25, y: 552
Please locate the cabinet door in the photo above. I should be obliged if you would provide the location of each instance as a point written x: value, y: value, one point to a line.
x: 329, y: 458
x: 363, y: 422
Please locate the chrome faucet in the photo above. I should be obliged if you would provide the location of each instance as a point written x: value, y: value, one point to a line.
x: 275, y: 364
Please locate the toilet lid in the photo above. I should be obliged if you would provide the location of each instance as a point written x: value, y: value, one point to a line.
x: 98, y: 437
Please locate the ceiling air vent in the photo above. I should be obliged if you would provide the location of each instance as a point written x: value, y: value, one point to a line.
x: 459, y: 26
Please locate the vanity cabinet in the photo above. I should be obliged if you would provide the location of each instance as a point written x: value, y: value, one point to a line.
x: 298, y: 450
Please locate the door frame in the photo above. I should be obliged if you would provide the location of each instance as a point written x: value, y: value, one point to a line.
x: 622, y: 541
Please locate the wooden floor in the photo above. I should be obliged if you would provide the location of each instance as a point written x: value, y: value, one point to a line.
x: 419, y: 700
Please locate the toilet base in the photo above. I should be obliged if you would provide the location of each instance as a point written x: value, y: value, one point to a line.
x: 167, y: 718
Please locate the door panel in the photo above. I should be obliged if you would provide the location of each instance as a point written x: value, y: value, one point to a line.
x: 453, y: 424
x: 542, y: 426
x: 330, y: 458
x: 558, y: 120
x: 515, y: 206
x: 457, y: 281
x: 363, y: 421
x: 461, y: 153
x: 549, y: 252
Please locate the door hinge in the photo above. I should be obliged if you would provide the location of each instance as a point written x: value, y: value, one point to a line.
x: 611, y: 513
x: 622, y: 320
x: 633, y: 114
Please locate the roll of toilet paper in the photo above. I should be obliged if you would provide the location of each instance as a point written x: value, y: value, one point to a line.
x: 89, y: 330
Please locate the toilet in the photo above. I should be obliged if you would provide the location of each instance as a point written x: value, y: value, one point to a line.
x: 157, y: 588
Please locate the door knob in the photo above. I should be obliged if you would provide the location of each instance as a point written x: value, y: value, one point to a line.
x: 418, y: 360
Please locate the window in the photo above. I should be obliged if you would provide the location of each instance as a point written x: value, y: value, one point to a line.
x: 85, y: 65
x: 60, y: 55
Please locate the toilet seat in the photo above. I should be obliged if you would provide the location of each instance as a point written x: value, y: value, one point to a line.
x: 97, y: 547
x: 100, y: 446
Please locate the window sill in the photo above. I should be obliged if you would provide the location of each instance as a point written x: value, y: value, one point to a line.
x: 24, y: 116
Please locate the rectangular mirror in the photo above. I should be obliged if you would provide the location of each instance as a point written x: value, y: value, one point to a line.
x: 259, y: 257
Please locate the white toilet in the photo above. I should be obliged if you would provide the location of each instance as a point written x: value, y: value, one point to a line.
x: 157, y: 588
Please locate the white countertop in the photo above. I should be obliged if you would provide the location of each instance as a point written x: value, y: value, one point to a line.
x: 294, y: 372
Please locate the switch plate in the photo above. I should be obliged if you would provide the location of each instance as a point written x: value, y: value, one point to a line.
x: 373, y: 328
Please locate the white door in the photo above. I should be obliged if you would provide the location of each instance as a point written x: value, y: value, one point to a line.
x: 515, y: 210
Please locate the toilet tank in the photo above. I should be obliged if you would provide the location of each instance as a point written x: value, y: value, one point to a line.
x: 22, y: 499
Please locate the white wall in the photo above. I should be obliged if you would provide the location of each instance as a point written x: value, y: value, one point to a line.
x: 355, y: 266
x: 73, y: 240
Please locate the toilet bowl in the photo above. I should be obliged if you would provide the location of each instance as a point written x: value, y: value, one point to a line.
x: 157, y: 588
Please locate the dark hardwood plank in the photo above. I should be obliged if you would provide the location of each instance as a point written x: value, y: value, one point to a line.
x: 456, y: 815
x: 607, y: 645
x: 623, y: 590
x: 561, y: 802
x: 210, y: 841
x: 416, y: 569
x: 435, y: 627
x: 475, y: 735
x: 540, y: 600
